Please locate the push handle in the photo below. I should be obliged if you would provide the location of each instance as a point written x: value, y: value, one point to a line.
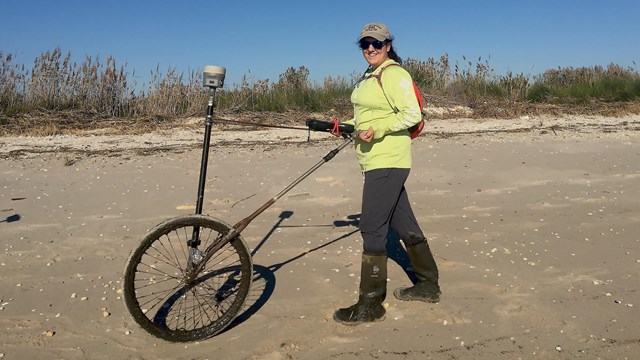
x: 321, y: 125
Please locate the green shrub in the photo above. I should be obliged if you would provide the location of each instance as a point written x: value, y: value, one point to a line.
x: 538, y: 92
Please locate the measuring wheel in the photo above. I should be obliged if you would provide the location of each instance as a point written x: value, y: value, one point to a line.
x: 191, y: 275
x: 172, y: 295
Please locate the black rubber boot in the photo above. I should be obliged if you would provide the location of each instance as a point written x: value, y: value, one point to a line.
x: 373, y: 290
x: 424, y: 266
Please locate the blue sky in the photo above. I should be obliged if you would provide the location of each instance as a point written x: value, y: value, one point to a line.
x: 261, y: 39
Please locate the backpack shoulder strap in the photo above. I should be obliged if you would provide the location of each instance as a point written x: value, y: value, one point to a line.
x: 379, y: 78
x: 415, y: 88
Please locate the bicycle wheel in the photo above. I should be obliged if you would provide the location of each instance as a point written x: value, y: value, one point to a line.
x: 164, y: 296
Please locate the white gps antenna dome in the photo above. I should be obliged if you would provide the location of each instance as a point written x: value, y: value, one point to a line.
x: 214, y: 76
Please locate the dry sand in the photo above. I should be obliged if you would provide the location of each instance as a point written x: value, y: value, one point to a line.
x: 534, y: 222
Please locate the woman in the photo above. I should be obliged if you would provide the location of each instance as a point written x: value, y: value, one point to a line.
x: 383, y: 149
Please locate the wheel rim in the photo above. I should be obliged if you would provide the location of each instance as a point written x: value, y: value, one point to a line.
x: 165, y: 303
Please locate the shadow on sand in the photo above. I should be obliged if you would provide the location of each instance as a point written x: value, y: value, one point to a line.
x: 264, y: 279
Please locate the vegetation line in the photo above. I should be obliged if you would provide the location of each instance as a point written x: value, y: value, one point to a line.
x: 95, y: 86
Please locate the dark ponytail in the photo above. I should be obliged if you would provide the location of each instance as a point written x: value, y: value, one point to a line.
x: 393, y: 55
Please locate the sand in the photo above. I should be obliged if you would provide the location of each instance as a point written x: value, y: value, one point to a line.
x: 534, y: 223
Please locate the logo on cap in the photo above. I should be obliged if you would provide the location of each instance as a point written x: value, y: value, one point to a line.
x: 372, y: 27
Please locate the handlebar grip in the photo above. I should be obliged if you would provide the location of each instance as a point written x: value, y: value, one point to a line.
x: 321, y: 125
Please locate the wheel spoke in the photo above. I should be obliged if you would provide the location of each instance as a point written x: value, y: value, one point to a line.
x: 171, y: 304
x: 156, y: 271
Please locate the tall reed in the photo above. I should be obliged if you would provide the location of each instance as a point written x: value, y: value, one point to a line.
x: 583, y: 84
x: 56, y: 82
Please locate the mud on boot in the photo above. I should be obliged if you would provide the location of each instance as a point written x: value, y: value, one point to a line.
x: 426, y: 287
x: 373, y: 290
x: 421, y: 291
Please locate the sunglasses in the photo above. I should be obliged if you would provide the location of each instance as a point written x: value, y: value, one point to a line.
x: 364, y: 44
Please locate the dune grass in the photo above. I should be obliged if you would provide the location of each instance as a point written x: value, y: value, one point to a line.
x: 582, y: 85
x: 95, y: 86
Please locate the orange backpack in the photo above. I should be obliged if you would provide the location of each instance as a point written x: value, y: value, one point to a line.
x: 416, y: 129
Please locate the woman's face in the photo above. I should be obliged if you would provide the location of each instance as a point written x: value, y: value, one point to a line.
x: 376, y: 52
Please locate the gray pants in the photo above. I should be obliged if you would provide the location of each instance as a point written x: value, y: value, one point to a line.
x: 385, y: 204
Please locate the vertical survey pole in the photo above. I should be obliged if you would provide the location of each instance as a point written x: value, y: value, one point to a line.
x: 213, y: 78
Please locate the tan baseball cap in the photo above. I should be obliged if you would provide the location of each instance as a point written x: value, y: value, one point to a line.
x: 377, y: 31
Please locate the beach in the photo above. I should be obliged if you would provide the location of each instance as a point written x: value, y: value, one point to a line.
x: 534, y: 223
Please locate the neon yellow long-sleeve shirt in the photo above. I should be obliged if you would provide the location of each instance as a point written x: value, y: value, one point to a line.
x: 391, y: 145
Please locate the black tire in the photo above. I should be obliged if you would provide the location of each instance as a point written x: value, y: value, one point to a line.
x: 163, y: 303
